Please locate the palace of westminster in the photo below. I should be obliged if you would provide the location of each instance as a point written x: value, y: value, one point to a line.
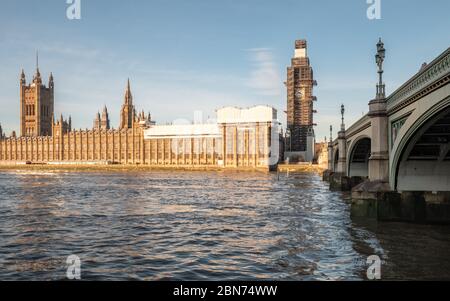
x: 243, y: 138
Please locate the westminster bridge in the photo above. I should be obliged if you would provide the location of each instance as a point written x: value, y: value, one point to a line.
x: 396, y: 159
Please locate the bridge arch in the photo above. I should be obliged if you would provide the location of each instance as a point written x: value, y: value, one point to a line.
x: 420, y: 159
x: 358, y: 157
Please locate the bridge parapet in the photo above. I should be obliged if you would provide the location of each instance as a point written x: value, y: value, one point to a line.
x: 435, y: 71
x: 358, y: 126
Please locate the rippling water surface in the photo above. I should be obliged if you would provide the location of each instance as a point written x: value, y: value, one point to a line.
x: 201, y: 226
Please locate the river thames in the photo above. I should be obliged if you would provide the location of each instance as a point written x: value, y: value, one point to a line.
x: 201, y: 226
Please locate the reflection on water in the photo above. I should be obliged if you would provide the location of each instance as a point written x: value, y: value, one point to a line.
x: 201, y: 226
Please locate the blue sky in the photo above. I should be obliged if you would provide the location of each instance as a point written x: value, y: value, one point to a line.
x: 186, y: 55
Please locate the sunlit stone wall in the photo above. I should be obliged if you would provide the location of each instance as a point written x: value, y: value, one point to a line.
x: 241, y: 138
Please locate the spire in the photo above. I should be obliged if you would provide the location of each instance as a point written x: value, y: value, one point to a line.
x: 37, y: 76
x: 22, y: 78
x: 128, y: 95
x: 37, y: 64
x: 104, y: 121
x: 104, y: 113
x: 128, y: 112
x: 97, y: 121
x: 51, y: 84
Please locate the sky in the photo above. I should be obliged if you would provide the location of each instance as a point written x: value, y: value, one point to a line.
x: 200, y: 55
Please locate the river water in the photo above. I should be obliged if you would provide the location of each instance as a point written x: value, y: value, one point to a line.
x: 201, y: 226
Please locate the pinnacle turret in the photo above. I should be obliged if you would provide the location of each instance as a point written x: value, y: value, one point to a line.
x: 128, y: 94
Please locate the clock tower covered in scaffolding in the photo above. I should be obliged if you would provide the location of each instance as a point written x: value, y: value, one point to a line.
x: 300, y: 105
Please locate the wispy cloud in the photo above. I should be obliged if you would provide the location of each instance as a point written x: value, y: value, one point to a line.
x: 72, y: 51
x: 189, y: 76
x: 265, y: 78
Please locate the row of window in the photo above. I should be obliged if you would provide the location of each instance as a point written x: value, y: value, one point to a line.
x: 31, y: 111
x: 29, y: 131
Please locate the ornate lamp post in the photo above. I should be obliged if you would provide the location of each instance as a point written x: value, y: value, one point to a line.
x: 379, y: 159
x: 379, y: 58
x: 331, y: 133
x: 342, y: 146
x: 379, y: 148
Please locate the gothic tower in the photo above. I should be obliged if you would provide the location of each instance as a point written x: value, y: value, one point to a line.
x: 300, y: 83
x: 62, y: 126
x: 36, y: 105
x: 104, y: 122
x: 97, y: 121
x: 127, y: 113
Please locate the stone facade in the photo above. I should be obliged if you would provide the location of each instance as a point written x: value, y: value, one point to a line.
x: 36, y: 106
x: 242, y: 138
x: 44, y: 140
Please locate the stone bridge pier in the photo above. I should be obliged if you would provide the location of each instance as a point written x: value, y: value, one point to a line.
x: 396, y: 159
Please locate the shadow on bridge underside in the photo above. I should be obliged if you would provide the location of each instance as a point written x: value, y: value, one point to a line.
x: 359, y: 158
x: 425, y: 159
